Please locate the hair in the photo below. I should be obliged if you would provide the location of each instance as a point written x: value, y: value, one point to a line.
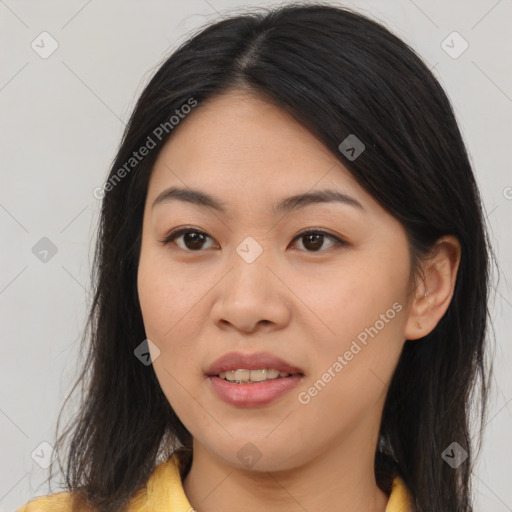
x: 338, y: 73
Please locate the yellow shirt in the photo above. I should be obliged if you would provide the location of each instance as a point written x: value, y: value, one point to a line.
x: 164, y: 493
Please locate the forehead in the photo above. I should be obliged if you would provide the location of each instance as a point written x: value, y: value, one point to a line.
x: 240, y: 142
x: 240, y: 128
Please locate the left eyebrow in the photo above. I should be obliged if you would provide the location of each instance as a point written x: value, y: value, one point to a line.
x: 317, y: 196
x: 288, y: 204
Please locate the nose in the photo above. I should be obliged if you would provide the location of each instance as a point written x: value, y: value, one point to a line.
x: 251, y: 296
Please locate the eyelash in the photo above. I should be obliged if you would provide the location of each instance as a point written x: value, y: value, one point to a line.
x: 175, y: 234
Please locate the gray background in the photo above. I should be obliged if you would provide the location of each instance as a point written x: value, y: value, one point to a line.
x: 62, y: 120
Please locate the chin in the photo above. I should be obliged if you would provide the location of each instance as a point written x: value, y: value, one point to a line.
x: 250, y: 455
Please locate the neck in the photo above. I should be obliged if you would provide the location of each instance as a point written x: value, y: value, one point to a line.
x: 341, y: 478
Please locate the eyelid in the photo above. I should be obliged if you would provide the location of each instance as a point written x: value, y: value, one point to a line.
x: 169, y: 237
x: 337, y: 240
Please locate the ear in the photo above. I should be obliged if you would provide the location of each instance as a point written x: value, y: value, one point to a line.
x: 434, y: 290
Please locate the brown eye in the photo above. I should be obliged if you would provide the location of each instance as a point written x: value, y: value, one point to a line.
x: 192, y: 239
x: 314, y: 240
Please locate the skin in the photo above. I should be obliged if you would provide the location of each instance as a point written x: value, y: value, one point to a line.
x: 302, y: 305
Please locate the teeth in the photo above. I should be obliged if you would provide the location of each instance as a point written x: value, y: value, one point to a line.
x: 242, y: 375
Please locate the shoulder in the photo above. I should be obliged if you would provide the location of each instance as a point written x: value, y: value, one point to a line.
x: 58, y: 502
x: 163, y: 492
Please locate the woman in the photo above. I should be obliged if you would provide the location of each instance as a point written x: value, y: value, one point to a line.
x: 291, y: 286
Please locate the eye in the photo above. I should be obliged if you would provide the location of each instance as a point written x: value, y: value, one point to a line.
x: 315, y: 239
x: 194, y: 239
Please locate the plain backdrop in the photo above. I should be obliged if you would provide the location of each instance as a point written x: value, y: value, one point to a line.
x: 62, y: 117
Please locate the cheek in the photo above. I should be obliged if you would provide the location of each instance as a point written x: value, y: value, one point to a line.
x: 171, y: 309
x: 167, y: 311
x: 154, y: 299
x: 353, y: 296
x: 164, y: 295
x: 352, y: 370
x: 362, y: 307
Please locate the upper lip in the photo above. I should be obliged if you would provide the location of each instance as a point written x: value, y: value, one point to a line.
x: 255, y: 361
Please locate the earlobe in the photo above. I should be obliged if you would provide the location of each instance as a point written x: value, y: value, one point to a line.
x: 435, y: 289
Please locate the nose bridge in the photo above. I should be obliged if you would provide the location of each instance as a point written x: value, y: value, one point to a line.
x: 251, y: 293
x: 250, y: 261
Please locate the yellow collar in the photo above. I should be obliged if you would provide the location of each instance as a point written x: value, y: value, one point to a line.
x: 399, y: 499
x: 164, y: 492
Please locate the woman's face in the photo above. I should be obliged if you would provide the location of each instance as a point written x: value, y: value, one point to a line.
x: 243, y: 279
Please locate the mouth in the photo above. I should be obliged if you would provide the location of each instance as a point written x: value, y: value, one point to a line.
x: 246, y: 376
x: 246, y: 394
x: 252, y: 380
x: 256, y: 367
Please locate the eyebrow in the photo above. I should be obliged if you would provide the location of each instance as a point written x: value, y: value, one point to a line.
x: 288, y: 204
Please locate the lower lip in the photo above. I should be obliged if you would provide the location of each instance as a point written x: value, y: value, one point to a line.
x: 255, y: 394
